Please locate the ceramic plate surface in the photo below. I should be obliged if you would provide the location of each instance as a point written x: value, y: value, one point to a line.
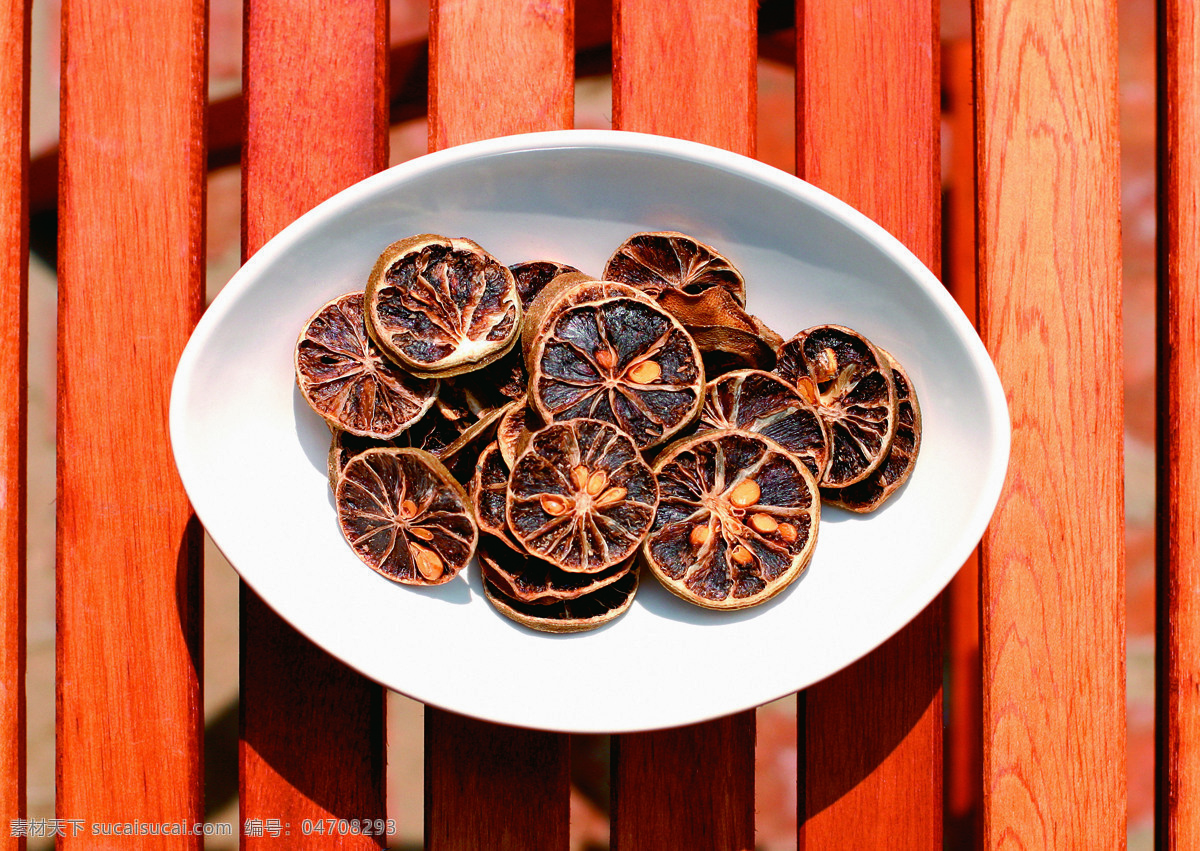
x: 251, y: 454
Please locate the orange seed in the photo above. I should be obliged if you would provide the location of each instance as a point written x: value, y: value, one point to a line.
x: 741, y: 555
x: 610, y: 497
x: 606, y: 358
x: 408, y: 509
x: 745, y: 494
x: 787, y: 531
x: 423, y: 534
x: 579, y: 477
x: 428, y: 563
x: 596, y: 482
x: 764, y: 523
x: 645, y: 372
x: 554, y: 505
x: 700, y: 536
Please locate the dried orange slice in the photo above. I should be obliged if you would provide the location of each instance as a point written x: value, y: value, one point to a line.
x: 517, y: 423
x: 757, y: 401
x: 531, y: 580
x: 655, y: 261
x: 405, y: 516
x: 344, y: 377
x: 488, y: 489
x: 575, y: 615
x: 621, y: 359
x: 580, y: 496
x: 532, y: 277
x: 736, y: 522
x: 441, y: 306
x: 874, y: 490
x: 849, y: 381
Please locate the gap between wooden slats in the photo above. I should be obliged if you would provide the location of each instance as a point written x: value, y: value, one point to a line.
x: 1052, y: 561
x: 14, y: 270
x: 517, y: 781
x: 964, y: 737
x: 131, y: 281
x: 868, y: 104
x: 691, y: 787
x: 1178, y: 676
x: 312, y: 730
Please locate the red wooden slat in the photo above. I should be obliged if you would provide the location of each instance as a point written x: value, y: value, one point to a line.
x: 868, y: 104
x: 687, y: 70
x: 14, y: 268
x: 312, y: 738
x: 1178, y: 721
x: 1052, y: 560
x: 488, y: 786
x: 131, y: 283
x: 517, y: 781
x: 964, y: 734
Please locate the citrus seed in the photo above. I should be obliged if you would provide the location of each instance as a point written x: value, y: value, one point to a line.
x: 741, y: 555
x: 610, y: 497
x: 787, y: 531
x: 428, y: 563
x: 745, y: 494
x: 764, y: 523
x: 645, y: 372
x: 606, y: 358
x: 579, y: 477
x: 700, y: 536
x: 423, y: 534
x: 553, y: 505
x: 408, y: 509
x: 596, y: 483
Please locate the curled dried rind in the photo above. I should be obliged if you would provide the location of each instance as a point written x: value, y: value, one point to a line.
x: 531, y: 580
x: 728, y: 337
x: 757, y: 401
x: 875, y: 489
x: 575, y: 615
x: 847, y: 379
x: 737, y: 519
x: 620, y: 359
x: 654, y: 261
x: 405, y: 516
x: 345, y: 378
x: 441, y: 306
x: 581, y: 496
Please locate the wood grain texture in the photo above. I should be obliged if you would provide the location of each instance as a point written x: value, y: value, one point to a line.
x: 312, y: 730
x: 506, y: 66
x: 494, y: 787
x: 964, y: 732
x: 1178, y: 651
x: 690, y: 787
x: 867, y: 131
x: 14, y: 271
x: 477, y: 93
x: 686, y: 70
x: 131, y: 283
x: 1052, y: 561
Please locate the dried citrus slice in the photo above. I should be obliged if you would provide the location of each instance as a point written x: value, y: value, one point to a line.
x: 736, y: 522
x: 757, y: 401
x: 575, y: 615
x: 848, y: 380
x: 344, y: 377
x: 621, y: 359
x: 728, y: 337
x: 566, y: 290
x: 580, y: 496
x: 533, y: 275
x: 405, y: 516
x: 441, y: 306
x: 343, y: 446
x: 488, y: 489
x: 516, y: 424
x: 531, y: 580
x: 655, y: 261
x: 874, y: 490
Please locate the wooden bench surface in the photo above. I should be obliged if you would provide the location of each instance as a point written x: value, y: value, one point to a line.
x: 318, y: 100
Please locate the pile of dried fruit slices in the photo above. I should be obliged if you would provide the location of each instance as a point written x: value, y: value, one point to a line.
x: 566, y: 430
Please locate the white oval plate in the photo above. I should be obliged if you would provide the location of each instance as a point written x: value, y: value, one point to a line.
x: 252, y: 455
